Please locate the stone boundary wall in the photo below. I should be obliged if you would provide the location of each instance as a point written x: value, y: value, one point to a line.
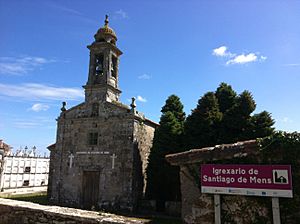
x: 19, y: 212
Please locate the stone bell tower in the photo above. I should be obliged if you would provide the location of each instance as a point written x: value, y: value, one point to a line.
x: 103, y: 79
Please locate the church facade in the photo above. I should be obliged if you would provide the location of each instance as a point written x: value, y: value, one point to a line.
x: 100, y: 156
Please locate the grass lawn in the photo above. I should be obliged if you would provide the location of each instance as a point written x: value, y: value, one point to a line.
x: 39, y: 198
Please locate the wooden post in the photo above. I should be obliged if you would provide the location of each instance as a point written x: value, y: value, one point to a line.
x: 217, y: 208
x: 276, y: 211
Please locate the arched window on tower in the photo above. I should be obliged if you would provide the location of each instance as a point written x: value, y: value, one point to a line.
x: 114, y: 67
x: 99, y: 67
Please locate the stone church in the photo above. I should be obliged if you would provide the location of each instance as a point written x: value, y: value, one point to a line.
x: 100, y: 156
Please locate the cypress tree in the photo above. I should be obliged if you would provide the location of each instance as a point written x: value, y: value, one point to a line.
x: 261, y: 125
x: 226, y: 97
x: 225, y: 117
x: 237, y: 120
x: 163, y: 182
x: 174, y: 105
x: 202, y: 125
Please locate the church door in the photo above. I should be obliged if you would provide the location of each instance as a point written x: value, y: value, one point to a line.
x: 90, y: 188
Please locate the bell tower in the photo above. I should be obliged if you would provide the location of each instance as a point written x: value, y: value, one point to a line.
x: 103, y: 78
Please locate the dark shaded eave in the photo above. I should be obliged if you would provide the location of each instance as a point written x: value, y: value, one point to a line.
x: 218, y: 152
x: 51, y: 147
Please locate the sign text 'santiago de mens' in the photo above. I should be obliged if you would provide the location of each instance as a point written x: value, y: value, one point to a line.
x: 256, y: 180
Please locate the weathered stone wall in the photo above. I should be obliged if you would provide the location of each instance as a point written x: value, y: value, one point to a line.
x: 114, y: 127
x: 196, y: 207
x: 122, y: 134
x: 143, y: 139
x: 17, y: 212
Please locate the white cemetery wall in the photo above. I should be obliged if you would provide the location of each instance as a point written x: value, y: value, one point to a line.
x: 24, y: 172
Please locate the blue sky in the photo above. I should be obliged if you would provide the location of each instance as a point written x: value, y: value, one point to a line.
x: 170, y: 47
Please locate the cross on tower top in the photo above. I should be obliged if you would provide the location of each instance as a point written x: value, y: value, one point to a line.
x: 106, y: 20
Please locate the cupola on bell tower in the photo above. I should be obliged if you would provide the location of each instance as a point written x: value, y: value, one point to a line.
x: 103, y: 79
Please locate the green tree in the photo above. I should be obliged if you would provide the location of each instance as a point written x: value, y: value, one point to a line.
x: 202, y: 125
x: 225, y: 117
x: 226, y: 97
x: 163, y: 179
x: 236, y: 121
x: 261, y: 125
x: 174, y: 105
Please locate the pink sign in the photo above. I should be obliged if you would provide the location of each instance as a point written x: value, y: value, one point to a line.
x: 258, y: 180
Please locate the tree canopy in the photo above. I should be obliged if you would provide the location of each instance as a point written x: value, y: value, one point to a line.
x: 163, y: 179
x: 225, y: 117
x: 201, y: 127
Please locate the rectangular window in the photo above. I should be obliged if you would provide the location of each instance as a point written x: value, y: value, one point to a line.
x: 95, y: 109
x: 93, y: 138
x: 26, y: 183
x: 27, y: 169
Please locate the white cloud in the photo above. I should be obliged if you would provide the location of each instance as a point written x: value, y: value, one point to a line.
x: 263, y: 58
x: 242, y: 59
x: 21, y: 65
x: 141, y: 99
x: 71, y: 12
x: 221, y: 51
x: 121, y: 14
x: 292, y: 64
x: 66, y: 9
x: 144, y: 76
x: 237, y: 58
x: 34, y: 91
x: 287, y: 120
x: 33, y: 122
x: 11, y: 69
x: 24, y: 124
x: 39, y: 107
